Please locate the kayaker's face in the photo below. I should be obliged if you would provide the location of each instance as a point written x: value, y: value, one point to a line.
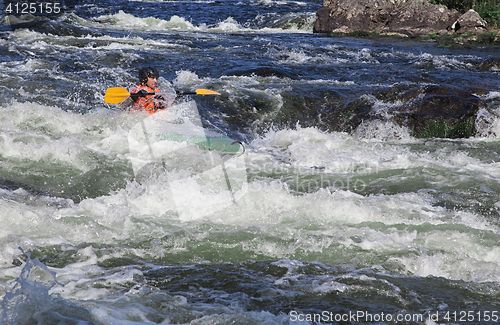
x: 152, y: 82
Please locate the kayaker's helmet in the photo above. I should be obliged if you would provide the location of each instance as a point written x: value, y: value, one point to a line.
x: 146, y: 73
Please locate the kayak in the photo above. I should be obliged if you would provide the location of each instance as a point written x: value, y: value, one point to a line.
x: 195, y: 161
x: 181, y: 140
x: 222, y: 144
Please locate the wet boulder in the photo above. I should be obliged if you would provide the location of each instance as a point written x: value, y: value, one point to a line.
x: 432, y: 111
x: 427, y: 112
x: 442, y: 112
x: 411, y: 17
x: 492, y: 64
x: 352, y: 15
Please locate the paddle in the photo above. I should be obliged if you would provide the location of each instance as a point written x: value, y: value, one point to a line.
x: 116, y: 95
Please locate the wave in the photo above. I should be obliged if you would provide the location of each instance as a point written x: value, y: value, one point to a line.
x: 267, y: 23
x: 312, y: 224
x: 291, y: 22
x: 257, y: 292
x: 377, y: 210
x: 124, y: 20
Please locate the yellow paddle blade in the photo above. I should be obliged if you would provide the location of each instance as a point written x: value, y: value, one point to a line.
x: 116, y: 95
x: 206, y: 92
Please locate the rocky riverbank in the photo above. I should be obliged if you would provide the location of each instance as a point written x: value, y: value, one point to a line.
x: 411, y: 18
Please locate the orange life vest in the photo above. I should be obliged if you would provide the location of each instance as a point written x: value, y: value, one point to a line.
x: 148, y: 103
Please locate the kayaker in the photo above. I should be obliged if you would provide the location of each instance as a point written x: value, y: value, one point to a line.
x: 148, y: 83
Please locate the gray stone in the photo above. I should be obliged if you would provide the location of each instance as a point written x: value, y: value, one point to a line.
x: 411, y: 17
x: 470, y: 22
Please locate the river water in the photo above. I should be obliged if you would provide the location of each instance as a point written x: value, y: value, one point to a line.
x: 307, y: 226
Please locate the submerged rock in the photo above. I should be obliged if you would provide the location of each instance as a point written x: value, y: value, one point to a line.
x: 261, y: 71
x: 431, y: 111
x: 427, y: 112
x: 442, y: 112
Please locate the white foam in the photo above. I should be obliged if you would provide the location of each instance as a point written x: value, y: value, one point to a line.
x: 34, y: 132
x: 122, y: 20
x: 281, y: 2
x: 333, y: 152
x: 493, y: 95
x: 382, y: 130
x: 228, y: 25
x: 187, y: 78
x: 334, y: 215
x: 125, y: 20
x: 442, y: 62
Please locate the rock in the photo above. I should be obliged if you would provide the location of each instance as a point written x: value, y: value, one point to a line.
x: 351, y: 15
x: 261, y: 72
x: 470, y: 22
x: 490, y: 64
x: 432, y: 111
x: 427, y: 112
x: 440, y: 112
x: 419, y: 18
x: 411, y: 17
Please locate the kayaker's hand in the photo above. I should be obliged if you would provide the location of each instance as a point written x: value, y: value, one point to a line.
x: 142, y: 93
x: 159, y: 102
x: 139, y: 94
